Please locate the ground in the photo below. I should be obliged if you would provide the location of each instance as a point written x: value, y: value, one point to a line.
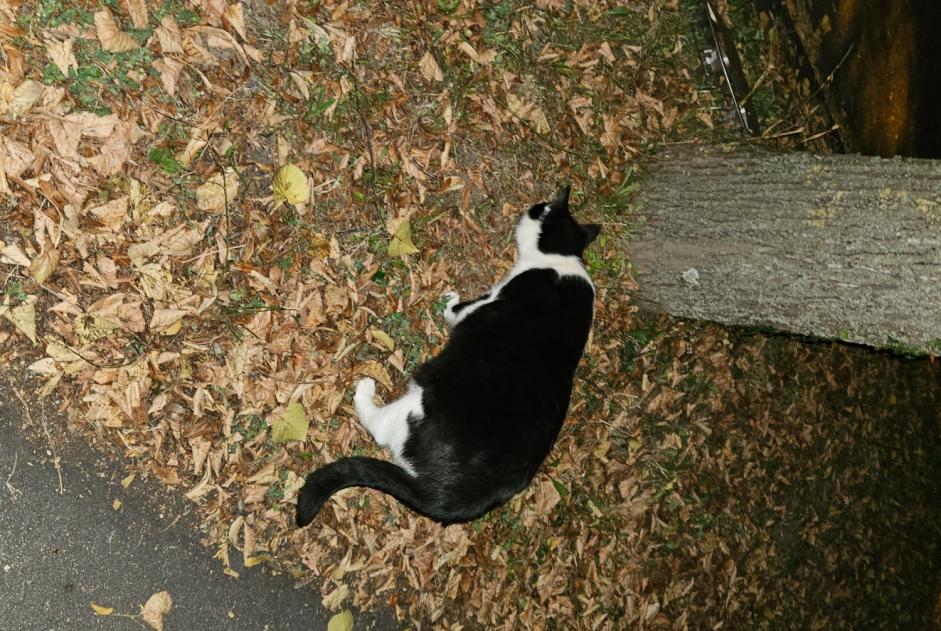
x: 209, y: 327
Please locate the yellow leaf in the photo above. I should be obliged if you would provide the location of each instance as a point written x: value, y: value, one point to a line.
x: 112, y: 38
x: 154, y: 609
x: 319, y: 246
x: 292, y: 425
x: 102, y: 611
x: 44, y: 265
x: 343, y: 621
x: 127, y: 481
x: 382, y: 338
x: 116, y: 504
x: 290, y: 185
x: 253, y: 561
x: 401, y: 243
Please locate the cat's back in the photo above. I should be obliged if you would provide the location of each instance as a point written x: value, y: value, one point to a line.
x: 533, y: 332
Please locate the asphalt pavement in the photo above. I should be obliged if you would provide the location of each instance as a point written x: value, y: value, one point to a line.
x: 59, y: 553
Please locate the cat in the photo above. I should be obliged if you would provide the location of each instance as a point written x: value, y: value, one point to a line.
x: 478, y: 419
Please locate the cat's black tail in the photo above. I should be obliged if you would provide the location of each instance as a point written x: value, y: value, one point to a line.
x: 369, y: 472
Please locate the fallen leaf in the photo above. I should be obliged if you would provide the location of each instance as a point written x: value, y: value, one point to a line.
x: 401, y: 243
x: 167, y: 321
x: 102, y: 611
x: 376, y: 370
x: 60, y: 53
x: 290, y: 185
x: 342, y: 621
x: 25, y: 95
x: 44, y: 265
x: 169, y: 36
x: 137, y: 9
x: 234, y: 17
x: 155, y: 608
x: 382, y: 338
x: 111, y: 214
x: 23, y: 317
x: 116, y: 504
x: 337, y: 596
x: 429, y: 68
x: 292, y: 425
x: 217, y: 191
x: 256, y: 560
x: 13, y: 255
x: 112, y: 38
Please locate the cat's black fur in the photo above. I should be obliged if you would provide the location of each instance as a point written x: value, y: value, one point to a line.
x: 494, y: 399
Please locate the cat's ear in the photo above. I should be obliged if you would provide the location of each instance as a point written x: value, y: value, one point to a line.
x: 590, y: 232
x: 562, y: 199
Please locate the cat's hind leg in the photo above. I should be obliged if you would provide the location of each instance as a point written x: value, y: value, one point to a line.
x: 388, y: 425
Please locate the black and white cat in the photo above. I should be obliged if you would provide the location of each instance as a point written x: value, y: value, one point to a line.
x: 479, y: 419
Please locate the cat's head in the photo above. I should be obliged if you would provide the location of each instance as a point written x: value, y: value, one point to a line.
x: 549, y: 228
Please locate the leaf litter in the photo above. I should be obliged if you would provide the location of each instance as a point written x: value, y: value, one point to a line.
x: 185, y: 318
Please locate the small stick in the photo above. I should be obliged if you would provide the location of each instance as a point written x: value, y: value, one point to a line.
x: 55, y: 456
x: 14, y: 492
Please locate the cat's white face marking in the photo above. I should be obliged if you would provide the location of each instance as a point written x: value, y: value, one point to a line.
x: 527, y: 234
x: 388, y: 425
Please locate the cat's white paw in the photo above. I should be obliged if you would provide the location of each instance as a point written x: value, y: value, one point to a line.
x: 366, y: 390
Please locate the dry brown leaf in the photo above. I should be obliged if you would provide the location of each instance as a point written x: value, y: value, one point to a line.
x: 429, y: 68
x: 24, y: 97
x: 137, y: 9
x: 156, y: 607
x: 110, y: 36
x: 209, y: 44
x: 217, y: 191
x: 44, y: 265
x: 23, y: 317
x: 378, y: 372
x: 169, y: 36
x: 169, y: 69
x: 233, y: 16
x: 11, y: 254
x: 111, y: 214
x: 60, y: 53
x: 167, y: 321
x: 334, y: 599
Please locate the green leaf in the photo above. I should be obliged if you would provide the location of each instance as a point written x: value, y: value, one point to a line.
x: 165, y: 160
x: 343, y: 621
x: 292, y: 425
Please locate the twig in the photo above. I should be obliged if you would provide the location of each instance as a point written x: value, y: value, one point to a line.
x: 367, y: 134
x: 804, y: 141
x: 829, y: 78
x: 55, y: 456
x: 14, y: 492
